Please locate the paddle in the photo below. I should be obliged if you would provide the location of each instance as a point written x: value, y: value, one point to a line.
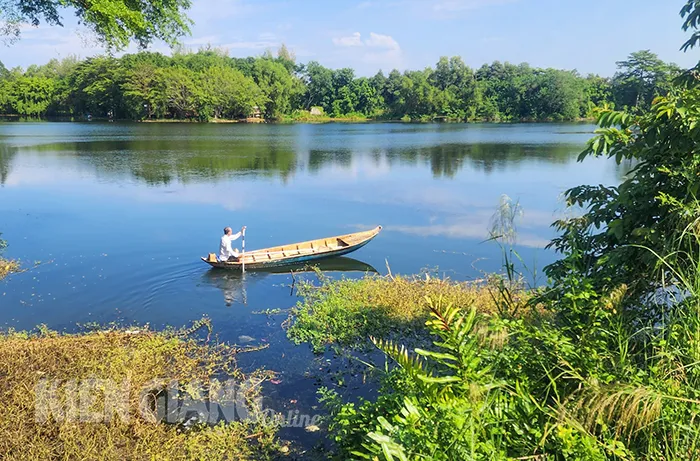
x: 243, y: 250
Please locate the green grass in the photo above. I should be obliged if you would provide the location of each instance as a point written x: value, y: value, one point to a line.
x: 348, y: 312
x: 305, y: 116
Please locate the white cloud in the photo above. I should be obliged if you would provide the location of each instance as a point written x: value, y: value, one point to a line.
x: 382, y: 41
x: 351, y: 40
x: 375, y: 40
x: 264, y: 40
x: 466, y: 228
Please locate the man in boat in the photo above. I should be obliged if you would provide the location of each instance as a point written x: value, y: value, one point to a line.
x: 226, y: 251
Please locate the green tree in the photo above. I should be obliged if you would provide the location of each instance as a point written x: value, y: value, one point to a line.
x: 598, y: 93
x: 114, y: 22
x: 229, y: 93
x: 4, y: 73
x: 181, y: 92
x: 277, y: 85
x: 142, y: 97
x: 95, y: 87
x: 555, y: 94
x: 31, y: 96
x: 368, y: 100
x: 287, y: 58
x: 651, y: 210
x: 319, y: 86
x: 417, y: 95
x: 639, y: 79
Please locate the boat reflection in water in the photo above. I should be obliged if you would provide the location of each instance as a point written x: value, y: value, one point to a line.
x: 233, y: 283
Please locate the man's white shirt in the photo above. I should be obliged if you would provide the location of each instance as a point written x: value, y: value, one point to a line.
x: 225, y: 249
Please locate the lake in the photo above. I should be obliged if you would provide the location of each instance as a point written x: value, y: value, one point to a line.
x: 119, y: 214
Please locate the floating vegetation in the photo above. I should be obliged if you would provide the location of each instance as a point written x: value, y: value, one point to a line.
x: 82, y: 419
x: 8, y: 266
x: 270, y: 312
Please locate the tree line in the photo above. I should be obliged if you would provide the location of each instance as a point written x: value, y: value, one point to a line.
x: 208, y: 84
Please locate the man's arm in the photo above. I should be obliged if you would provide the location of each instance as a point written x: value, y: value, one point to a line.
x: 237, y: 236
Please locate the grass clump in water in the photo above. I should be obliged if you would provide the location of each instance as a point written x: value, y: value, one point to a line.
x: 348, y: 312
x: 30, y: 428
x: 8, y: 266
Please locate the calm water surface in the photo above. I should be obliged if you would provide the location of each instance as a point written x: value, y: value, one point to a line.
x: 119, y: 214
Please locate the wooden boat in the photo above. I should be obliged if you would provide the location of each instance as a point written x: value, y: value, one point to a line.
x: 297, y: 252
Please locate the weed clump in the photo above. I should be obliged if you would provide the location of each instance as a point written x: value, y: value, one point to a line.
x: 135, y: 360
x: 8, y: 266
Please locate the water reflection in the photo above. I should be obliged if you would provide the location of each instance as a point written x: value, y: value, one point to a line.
x: 234, y: 284
x: 6, y: 155
x: 446, y: 160
x: 160, y: 161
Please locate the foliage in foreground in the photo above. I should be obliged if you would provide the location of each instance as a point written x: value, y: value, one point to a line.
x: 117, y: 355
x: 115, y: 23
x: 579, y: 380
x: 609, y: 367
x: 347, y: 312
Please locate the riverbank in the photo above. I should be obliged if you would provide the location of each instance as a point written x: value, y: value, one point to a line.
x: 502, y: 372
x: 300, y: 119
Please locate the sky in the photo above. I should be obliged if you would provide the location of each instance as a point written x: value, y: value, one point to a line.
x: 369, y: 35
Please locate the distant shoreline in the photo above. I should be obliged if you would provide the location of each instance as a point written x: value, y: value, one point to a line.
x: 316, y: 120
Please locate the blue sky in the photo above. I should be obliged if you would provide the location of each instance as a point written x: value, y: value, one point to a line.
x: 411, y: 34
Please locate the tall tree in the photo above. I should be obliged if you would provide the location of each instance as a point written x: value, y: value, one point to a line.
x: 640, y: 78
x: 277, y: 85
x: 319, y: 86
x: 181, y: 91
x: 228, y: 93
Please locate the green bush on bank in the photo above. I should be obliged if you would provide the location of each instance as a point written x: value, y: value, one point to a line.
x: 347, y: 312
x: 607, y: 366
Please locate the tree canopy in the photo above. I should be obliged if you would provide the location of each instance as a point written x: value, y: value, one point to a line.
x: 210, y: 84
x: 114, y: 22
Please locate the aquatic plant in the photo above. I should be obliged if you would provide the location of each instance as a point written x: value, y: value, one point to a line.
x: 347, y: 312
x: 7, y: 266
x: 136, y: 360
